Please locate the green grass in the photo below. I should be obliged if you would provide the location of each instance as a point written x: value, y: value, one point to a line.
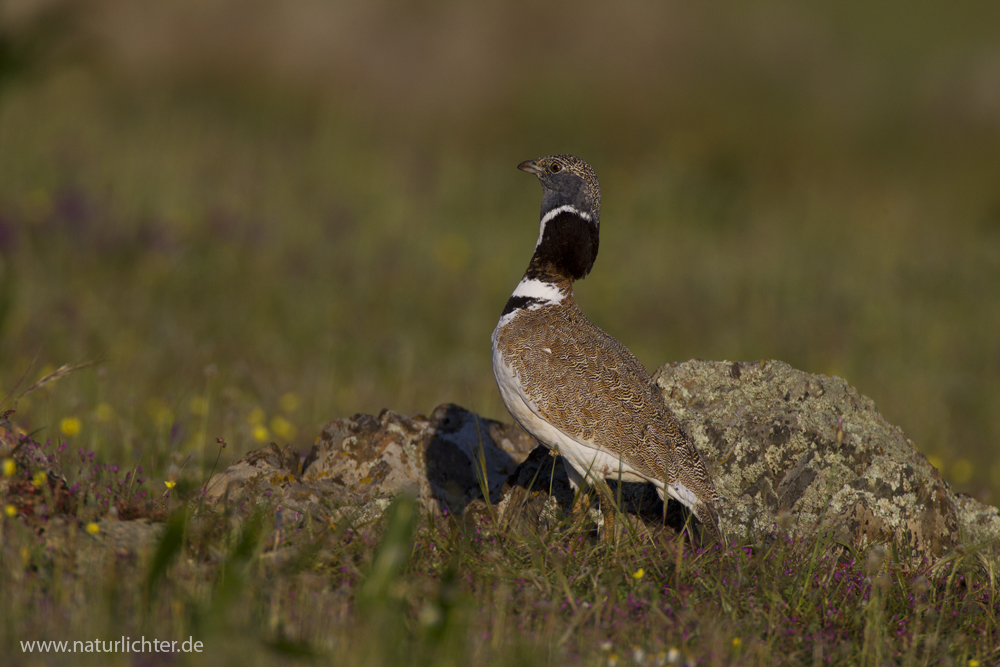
x: 411, y: 589
x: 254, y: 219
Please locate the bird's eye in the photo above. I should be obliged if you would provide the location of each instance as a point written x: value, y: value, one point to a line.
x: 555, y: 167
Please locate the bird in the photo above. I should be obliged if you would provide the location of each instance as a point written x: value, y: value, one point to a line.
x: 570, y: 385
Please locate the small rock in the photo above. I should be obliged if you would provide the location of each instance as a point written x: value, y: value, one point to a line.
x: 130, y: 536
x: 363, y: 461
x: 269, y: 473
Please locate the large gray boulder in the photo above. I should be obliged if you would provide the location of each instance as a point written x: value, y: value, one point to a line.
x: 811, y: 454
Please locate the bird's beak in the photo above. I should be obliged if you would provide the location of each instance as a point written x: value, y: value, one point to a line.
x: 530, y: 167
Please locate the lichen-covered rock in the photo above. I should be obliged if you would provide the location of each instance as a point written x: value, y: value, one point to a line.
x: 129, y: 536
x: 810, y: 452
x: 441, y: 459
x: 269, y: 474
x: 979, y: 523
x: 363, y: 461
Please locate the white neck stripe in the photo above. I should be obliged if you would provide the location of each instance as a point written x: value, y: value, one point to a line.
x: 533, y: 288
x: 565, y: 208
x: 542, y: 293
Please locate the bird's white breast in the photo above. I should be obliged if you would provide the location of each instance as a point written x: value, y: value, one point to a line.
x: 587, y: 459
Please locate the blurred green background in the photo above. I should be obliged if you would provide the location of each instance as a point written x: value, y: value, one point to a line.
x: 258, y: 216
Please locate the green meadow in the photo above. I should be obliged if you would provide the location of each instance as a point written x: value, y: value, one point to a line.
x: 240, y: 220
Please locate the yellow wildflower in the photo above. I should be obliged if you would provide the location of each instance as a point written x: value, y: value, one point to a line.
x: 104, y: 412
x: 961, y: 471
x: 69, y: 426
x: 639, y: 574
x: 199, y: 406
x: 256, y: 416
x: 93, y: 528
x: 170, y: 484
x: 39, y: 478
x: 289, y: 403
x: 260, y: 433
x: 9, y: 467
x: 161, y: 413
x: 737, y: 642
x: 283, y: 428
x: 10, y: 510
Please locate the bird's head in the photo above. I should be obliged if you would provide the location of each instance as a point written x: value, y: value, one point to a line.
x: 566, y: 181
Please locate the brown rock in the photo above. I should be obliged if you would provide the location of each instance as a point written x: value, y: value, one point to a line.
x: 363, y: 461
x: 269, y: 474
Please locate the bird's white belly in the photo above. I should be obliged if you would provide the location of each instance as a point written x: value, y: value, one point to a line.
x: 586, y: 459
